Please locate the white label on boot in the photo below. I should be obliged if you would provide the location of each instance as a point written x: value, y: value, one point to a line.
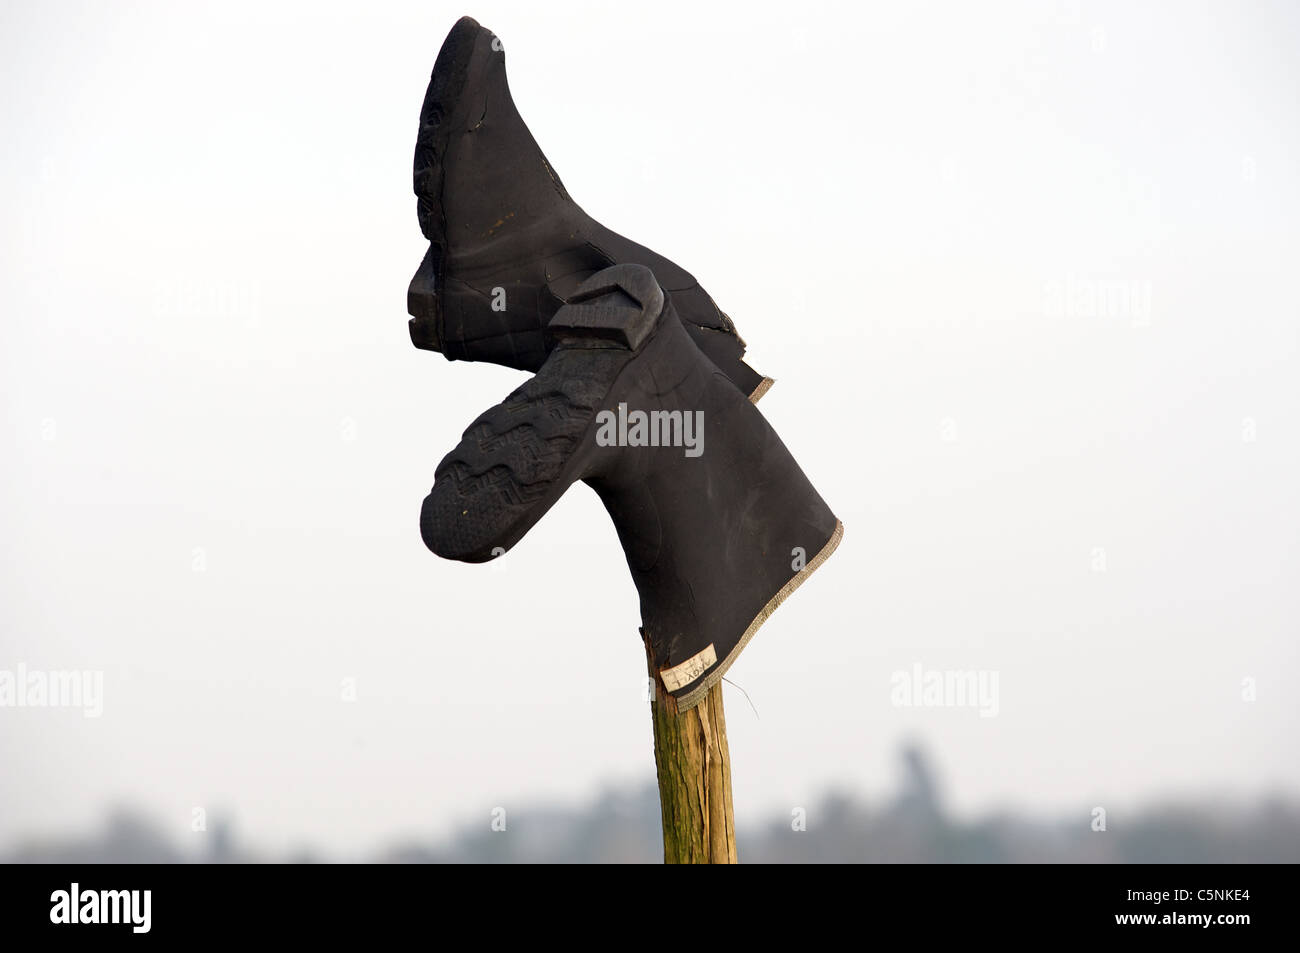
x: 679, y: 676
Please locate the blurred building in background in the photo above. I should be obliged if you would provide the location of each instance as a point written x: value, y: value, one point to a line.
x: 622, y: 826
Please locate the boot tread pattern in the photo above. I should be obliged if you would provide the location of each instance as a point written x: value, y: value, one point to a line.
x: 511, y: 456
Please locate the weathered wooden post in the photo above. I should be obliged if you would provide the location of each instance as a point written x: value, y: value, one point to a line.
x: 693, y: 765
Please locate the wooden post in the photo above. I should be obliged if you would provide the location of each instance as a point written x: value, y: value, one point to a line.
x: 694, y: 768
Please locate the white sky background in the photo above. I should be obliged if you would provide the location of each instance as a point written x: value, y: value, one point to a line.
x: 208, y: 231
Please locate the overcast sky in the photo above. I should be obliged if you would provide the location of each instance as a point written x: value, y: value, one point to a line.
x: 1025, y: 274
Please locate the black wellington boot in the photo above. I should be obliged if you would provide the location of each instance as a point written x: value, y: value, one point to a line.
x: 507, y: 244
x: 716, y: 519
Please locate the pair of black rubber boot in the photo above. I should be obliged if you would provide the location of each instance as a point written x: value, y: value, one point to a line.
x: 640, y: 389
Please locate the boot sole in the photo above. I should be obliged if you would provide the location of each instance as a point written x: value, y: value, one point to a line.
x: 437, y: 115
x: 518, y: 458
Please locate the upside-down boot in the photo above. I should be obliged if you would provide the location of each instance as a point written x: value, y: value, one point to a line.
x: 507, y: 245
x: 716, y: 519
